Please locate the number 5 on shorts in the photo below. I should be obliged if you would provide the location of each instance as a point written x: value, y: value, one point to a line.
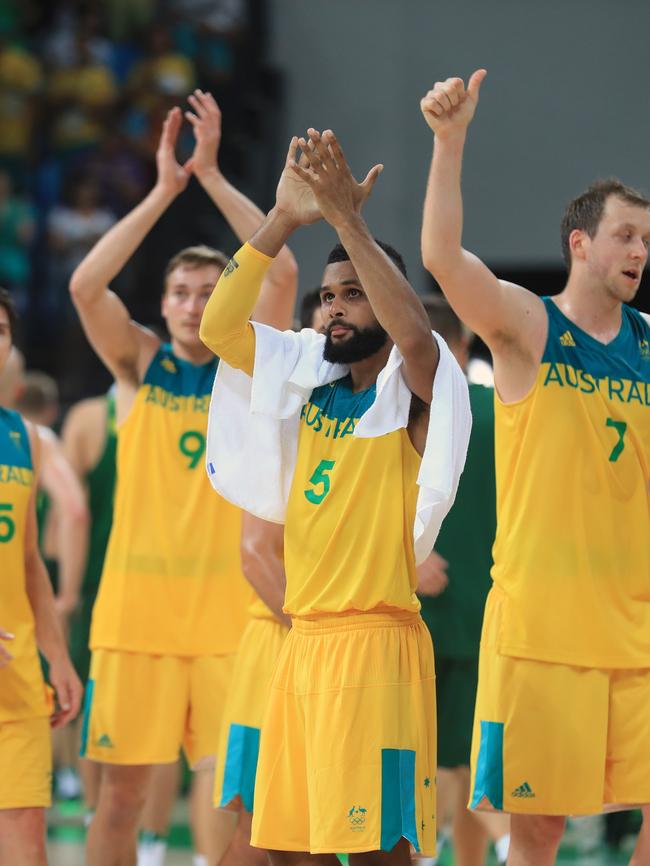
x: 620, y: 427
x: 320, y: 476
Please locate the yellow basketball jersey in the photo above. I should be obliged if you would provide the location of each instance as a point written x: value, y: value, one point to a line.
x: 22, y: 691
x: 172, y: 581
x: 350, y: 514
x: 572, y: 552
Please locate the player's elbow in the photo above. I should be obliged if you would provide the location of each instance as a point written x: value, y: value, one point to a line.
x: 439, y: 260
x: 81, y: 288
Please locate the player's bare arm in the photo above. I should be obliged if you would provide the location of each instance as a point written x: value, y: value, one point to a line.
x: 262, y: 548
x: 125, y: 347
x: 278, y: 294
x: 394, y: 302
x: 71, y: 519
x: 49, y: 634
x: 510, y: 319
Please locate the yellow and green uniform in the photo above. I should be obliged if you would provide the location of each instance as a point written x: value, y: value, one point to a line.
x: 100, y: 485
x: 24, y: 702
x: 239, y: 741
x: 570, y: 604
x: 347, y: 752
x: 172, y: 584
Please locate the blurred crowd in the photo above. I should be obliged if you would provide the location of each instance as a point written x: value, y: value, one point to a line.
x: 84, y: 85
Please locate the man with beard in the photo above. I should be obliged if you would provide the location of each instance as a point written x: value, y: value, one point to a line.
x: 330, y: 436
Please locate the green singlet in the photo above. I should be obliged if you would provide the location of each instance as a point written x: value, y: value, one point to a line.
x: 100, y: 483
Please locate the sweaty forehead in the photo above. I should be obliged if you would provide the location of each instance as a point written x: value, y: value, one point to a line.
x: 339, y: 272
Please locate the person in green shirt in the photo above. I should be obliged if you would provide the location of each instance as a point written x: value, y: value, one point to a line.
x: 453, y: 585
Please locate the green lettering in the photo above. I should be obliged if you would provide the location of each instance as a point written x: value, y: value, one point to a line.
x: 553, y: 375
x: 634, y: 393
x: 574, y: 383
x: 616, y: 387
x: 587, y: 380
x: 348, y: 430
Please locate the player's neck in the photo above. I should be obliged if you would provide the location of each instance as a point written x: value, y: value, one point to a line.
x: 591, y: 307
x: 194, y: 354
x: 364, y: 373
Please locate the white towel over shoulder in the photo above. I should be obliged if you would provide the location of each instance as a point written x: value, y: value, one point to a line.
x: 253, y: 426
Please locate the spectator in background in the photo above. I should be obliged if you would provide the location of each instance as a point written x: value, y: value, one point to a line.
x: 73, y: 229
x: 121, y: 174
x: 16, y: 233
x: 20, y: 82
x: 81, y: 99
x: 163, y: 73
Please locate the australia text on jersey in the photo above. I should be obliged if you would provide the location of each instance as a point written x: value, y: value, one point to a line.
x: 624, y: 390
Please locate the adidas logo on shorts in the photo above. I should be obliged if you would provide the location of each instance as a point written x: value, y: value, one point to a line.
x: 104, y: 742
x: 523, y: 791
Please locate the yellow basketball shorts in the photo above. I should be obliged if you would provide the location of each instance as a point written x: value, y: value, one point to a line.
x: 347, y: 757
x: 140, y: 709
x: 552, y: 739
x: 239, y: 742
x: 26, y: 762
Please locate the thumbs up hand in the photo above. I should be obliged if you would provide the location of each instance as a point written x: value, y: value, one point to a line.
x: 449, y: 107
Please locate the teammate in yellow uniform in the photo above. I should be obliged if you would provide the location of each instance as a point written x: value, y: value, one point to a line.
x: 562, y: 724
x: 347, y: 752
x: 172, y: 602
x: 259, y: 648
x: 28, y: 617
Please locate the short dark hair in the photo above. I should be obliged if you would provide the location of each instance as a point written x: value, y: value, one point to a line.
x: 443, y: 319
x: 196, y: 257
x: 339, y: 254
x: 586, y: 211
x: 7, y: 303
x: 308, y: 306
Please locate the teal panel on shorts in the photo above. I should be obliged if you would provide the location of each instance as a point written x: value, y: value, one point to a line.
x: 241, y: 765
x: 488, y: 780
x: 88, y: 702
x: 398, y: 798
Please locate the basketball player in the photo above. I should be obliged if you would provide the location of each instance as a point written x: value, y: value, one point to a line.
x: 28, y: 618
x: 172, y: 601
x: 347, y: 751
x: 562, y: 724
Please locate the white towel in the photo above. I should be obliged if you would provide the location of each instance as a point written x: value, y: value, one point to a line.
x: 253, y: 426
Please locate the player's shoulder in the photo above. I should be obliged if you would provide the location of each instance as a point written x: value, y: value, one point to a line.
x: 87, y: 413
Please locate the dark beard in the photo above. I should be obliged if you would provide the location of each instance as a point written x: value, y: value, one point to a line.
x: 363, y: 343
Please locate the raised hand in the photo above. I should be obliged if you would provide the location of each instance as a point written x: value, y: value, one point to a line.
x: 324, y: 170
x: 172, y: 177
x: 294, y: 197
x: 449, y: 108
x: 206, y: 123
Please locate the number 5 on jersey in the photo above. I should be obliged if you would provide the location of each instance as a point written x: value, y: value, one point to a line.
x: 320, y: 482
